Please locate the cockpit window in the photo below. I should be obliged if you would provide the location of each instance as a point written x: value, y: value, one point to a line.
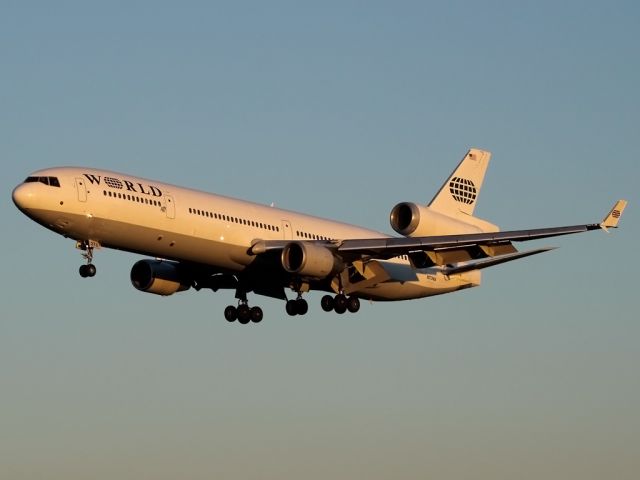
x: 51, y: 181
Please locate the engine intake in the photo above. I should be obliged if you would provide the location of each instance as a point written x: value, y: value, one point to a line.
x: 309, y: 260
x: 412, y: 220
x: 405, y: 218
x: 159, y: 277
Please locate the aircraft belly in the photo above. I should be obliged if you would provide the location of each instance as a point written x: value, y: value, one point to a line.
x: 428, y: 283
x: 171, y: 245
x: 146, y: 240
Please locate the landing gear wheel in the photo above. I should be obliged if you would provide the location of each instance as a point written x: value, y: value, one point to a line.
x: 244, y: 314
x: 302, y: 307
x: 83, y: 271
x: 327, y: 303
x: 91, y: 270
x: 291, y: 307
x: 340, y: 309
x: 340, y: 303
x: 353, y: 304
x: 88, y: 270
x: 256, y: 314
x: 231, y: 313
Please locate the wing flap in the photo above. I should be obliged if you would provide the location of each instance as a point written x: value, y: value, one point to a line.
x: 462, y: 267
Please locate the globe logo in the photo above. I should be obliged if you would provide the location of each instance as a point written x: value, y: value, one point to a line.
x: 463, y: 190
x: 113, y: 182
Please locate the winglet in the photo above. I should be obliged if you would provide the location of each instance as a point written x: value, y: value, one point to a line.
x: 612, y: 219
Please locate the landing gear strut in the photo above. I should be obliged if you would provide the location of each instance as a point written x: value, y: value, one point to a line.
x: 89, y: 269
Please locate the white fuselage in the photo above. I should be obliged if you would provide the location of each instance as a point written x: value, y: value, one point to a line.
x: 162, y: 220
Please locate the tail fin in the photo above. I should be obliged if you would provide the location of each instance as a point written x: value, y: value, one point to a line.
x: 460, y: 192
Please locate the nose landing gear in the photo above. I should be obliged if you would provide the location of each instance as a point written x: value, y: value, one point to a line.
x: 89, y: 269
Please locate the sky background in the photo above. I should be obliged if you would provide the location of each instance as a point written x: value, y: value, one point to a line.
x: 339, y: 109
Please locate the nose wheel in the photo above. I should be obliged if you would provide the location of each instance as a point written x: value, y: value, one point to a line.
x: 88, y: 270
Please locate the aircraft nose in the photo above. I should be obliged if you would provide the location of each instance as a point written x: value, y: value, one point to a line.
x: 23, y: 196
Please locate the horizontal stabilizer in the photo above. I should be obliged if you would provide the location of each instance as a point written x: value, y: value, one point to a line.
x: 462, y: 267
x: 612, y: 219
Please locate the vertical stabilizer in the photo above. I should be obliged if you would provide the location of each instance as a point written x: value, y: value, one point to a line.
x: 460, y: 192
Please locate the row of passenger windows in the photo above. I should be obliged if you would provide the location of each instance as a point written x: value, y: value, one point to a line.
x: 251, y: 223
x: 228, y: 218
x: 51, y: 181
x: 311, y: 236
x: 132, y: 198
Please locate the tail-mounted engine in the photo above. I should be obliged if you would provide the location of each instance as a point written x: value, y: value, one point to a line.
x: 309, y: 260
x: 412, y: 220
x: 159, y: 277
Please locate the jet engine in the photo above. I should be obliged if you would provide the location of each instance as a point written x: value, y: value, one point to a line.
x: 309, y: 260
x: 412, y: 220
x: 159, y: 277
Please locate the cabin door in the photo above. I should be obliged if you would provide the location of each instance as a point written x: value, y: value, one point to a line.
x: 169, y: 206
x: 286, y: 230
x: 82, y: 189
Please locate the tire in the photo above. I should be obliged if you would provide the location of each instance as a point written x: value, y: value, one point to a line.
x: 302, y: 307
x: 327, y: 303
x: 256, y: 314
x: 353, y: 304
x: 291, y: 308
x: 340, y: 303
x: 244, y: 314
x: 231, y: 313
x: 83, y: 271
x: 91, y: 270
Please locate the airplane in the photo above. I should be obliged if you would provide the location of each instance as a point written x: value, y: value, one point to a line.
x: 207, y: 241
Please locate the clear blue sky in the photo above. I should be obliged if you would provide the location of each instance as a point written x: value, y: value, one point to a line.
x: 340, y: 109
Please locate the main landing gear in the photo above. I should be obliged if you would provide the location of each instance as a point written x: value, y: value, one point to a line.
x: 89, y: 269
x: 299, y: 306
x: 243, y: 313
x: 340, y: 303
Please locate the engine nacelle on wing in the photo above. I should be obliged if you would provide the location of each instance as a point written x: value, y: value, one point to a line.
x: 309, y: 260
x: 412, y: 220
x: 159, y: 277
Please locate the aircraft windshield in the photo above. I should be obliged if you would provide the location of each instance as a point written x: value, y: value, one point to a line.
x: 51, y: 181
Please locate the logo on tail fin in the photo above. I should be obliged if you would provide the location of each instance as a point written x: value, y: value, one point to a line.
x: 463, y: 190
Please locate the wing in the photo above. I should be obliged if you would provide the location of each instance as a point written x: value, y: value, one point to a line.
x: 457, y: 252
